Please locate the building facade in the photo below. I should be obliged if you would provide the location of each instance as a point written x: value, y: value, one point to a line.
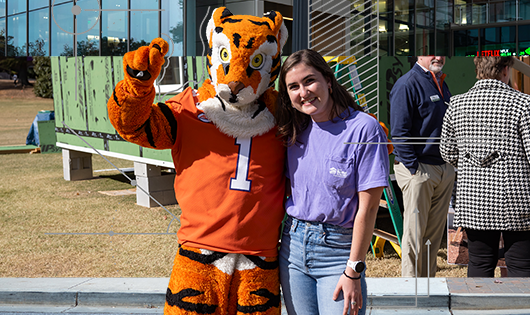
x: 406, y: 27
x: 112, y: 27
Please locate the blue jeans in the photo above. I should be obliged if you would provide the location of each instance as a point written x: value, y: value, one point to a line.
x: 312, y: 257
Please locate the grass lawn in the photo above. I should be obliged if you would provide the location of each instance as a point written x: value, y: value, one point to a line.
x: 36, y: 202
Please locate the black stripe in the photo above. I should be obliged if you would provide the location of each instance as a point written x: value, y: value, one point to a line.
x: 273, y: 301
x: 218, y: 29
x: 237, y: 37
x: 226, y: 13
x: 275, y: 61
x: 222, y: 103
x: 134, y: 73
x: 250, y: 43
x: 249, y: 71
x: 226, y: 68
x: 115, y: 97
x: 275, y: 72
x: 149, y: 134
x: 260, y: 23
x: 177, y: 300
x: 202, y: 258
x: 271, y: 39
x: 232, y: 21
x: 258, y: 261
x: 170, y: 119
x: 271, y: 15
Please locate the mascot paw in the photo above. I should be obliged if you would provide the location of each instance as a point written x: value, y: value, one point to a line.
x: 143, y: 65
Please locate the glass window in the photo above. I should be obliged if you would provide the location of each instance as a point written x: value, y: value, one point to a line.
x: 386, y: 26
x: 16, y: 26
x: 404, y: 27
x: 424, y: 28
x: 444, y: 18
x: 62, y: 39
x: 2, y: 37
x: 479, y: 12
x: 524, y: 10
x: 329, y: 31
x: 16, y: 6
x: 463, y: 12
x: 173, y: 24
x: 144, y: 24
x: 501, y: 11
x: 114, y: 28
x: 38, y: 32
x: 466, y: 43
x: 444, y: 14
x: 524, y: 40
x: 37, y: 4
x: 87, y: 25
x: 498, y: 41
x: 2, y: 8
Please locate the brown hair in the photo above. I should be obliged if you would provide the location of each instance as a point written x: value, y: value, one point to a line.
x: 290, y: 121
x: 491, y: 67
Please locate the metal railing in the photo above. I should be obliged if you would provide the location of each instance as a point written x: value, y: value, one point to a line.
x: 346, y: 32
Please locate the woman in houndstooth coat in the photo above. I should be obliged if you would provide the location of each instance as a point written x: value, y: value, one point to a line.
x: 486, y: 136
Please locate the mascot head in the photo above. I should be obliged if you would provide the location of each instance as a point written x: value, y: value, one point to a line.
x: 244, y: 55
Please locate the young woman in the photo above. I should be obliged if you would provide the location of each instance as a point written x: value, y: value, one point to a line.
x: 337, y: 164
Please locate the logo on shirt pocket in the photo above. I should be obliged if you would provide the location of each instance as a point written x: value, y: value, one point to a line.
x: 339, y: 173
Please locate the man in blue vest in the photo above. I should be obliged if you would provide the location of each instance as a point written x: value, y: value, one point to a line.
x: 418, y: 102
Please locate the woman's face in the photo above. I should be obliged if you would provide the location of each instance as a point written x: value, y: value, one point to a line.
x: 308, y: 90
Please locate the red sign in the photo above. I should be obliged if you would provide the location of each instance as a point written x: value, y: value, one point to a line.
x: 493, y: 53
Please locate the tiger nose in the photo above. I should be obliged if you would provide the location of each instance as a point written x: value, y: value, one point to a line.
x: 235, y: 87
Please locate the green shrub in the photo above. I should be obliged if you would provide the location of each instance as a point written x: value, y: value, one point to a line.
x: 43, y: 73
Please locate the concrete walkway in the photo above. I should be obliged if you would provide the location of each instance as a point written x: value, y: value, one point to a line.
x: 399, y: 296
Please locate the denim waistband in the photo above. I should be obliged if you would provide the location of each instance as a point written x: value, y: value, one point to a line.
x: 317, y: 225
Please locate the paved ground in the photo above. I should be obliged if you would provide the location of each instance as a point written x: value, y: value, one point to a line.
x: 398, y: 296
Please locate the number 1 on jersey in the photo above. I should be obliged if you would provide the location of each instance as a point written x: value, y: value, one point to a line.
x: 241, y: 181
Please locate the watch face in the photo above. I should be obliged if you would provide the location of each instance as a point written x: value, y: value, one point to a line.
x: 359, y: 267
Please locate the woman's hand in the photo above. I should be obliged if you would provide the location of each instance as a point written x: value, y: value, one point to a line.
x: 353, y: 297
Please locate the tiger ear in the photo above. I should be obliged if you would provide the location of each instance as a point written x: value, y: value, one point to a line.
x: 278, y: 26
x: 217, y: 15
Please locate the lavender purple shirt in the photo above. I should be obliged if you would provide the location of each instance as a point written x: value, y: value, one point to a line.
x: 326, y: 174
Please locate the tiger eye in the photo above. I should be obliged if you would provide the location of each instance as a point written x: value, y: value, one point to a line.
x: 225, y: 56
x: 257, y: 61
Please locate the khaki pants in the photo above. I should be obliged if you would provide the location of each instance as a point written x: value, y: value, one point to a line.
x: 429, y: 191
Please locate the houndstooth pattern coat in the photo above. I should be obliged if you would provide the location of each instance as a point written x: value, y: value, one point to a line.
x: 486, y: 135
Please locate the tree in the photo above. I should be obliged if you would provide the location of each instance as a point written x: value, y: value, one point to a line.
x: 84, y: 48
x: 37, y: 48
x: 43, y: 72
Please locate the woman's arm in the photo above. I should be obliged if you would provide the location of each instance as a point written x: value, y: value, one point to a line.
x: 363, y: 230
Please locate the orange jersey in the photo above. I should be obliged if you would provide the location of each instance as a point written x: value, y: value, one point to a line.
x: 230, y: 190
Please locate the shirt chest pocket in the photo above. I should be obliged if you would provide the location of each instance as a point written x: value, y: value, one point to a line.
x: 338, y: 173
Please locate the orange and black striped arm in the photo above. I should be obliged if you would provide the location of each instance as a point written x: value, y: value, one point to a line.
x: 131, y: 109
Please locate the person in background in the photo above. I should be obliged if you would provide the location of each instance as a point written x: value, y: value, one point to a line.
x: 335, y: 189
x: 417, y: 106
x: 486, y: 135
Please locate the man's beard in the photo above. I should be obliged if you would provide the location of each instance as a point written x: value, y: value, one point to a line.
x: 436, y: 67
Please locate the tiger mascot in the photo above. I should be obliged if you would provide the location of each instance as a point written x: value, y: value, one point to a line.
x: 229, y: 163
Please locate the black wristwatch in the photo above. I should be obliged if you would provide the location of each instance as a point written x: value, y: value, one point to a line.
x: 357, y: 266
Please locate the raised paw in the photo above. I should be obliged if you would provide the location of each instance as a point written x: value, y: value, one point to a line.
x: 143, y: 65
